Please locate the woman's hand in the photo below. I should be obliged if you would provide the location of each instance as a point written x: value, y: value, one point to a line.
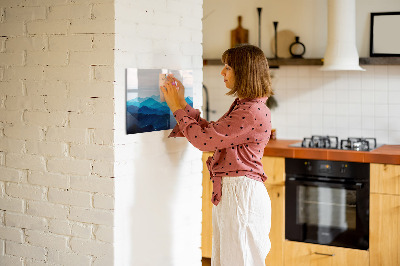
x: 171, y: 94
x: 181, y: 90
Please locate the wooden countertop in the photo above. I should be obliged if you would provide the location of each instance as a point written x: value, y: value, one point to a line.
x: 389, y: 154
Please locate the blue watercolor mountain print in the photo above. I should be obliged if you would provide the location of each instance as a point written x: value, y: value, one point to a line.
x: 149, y: 114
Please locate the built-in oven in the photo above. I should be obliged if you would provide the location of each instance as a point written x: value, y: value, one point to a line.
x: 327, y: 202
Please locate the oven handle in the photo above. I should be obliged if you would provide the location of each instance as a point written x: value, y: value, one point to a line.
x: 357, y: 185
x: 324, y: 254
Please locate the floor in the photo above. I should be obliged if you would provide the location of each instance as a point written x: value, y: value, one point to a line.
x: 206, y: 261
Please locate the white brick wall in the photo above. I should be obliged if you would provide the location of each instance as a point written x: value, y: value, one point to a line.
x: 56, y: 132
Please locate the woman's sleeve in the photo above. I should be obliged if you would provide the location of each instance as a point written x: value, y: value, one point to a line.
x: 193, y: 113
x: 229, y: 131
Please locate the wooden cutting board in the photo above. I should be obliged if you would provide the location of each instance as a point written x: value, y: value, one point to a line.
x: 239, y: 35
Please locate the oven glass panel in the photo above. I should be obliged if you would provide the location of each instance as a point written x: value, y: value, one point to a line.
x: 326, y: 207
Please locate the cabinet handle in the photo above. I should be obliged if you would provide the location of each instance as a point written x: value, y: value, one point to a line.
x: 325, y: 254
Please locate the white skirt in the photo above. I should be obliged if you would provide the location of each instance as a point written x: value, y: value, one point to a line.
x: 241, y: 223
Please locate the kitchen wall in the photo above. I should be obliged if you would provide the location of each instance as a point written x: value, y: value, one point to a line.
x: 342, y: 103
x: 56, y: 132
x: 158, y: 180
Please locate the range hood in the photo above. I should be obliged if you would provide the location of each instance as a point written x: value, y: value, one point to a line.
x: 341, y: 51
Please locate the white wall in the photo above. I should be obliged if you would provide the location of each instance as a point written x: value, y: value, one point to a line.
x: 56, y: 132
x: 158, y: 180
x: 344, y: 103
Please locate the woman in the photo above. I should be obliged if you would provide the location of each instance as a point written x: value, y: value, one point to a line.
x: 242, y: 208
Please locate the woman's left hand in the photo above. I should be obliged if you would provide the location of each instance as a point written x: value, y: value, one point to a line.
x: 171, y: 95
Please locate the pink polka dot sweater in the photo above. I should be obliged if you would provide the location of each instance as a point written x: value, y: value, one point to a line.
x: 238, y: 139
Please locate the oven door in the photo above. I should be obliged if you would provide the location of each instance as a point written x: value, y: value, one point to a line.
x: 327, y: 213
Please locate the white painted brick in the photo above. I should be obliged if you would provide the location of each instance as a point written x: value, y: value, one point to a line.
x: 48, y: 179
x: 56, y: 149
x: 46, y: 88
x: 56, y: 103
x: 46, y: 2
x: 91, y: 58
x: 91, y: 26
x: 11, y: 88
x: 8, y: 260
x: 46, y: 209
x: 95, y: 216
x: 91, y: 89
x: 103, y: 41
x: 97, y: 105
x: 92, y: 151
x: 21, y: 43
x: 47, y: 58
x: 12, y: 28
x: 70, y: 12
x: 2, y: 158
x: 93, y: 184
x: 2, y: 222
x: 81, y: 73
x: 12, y: 145
x: 12, y: 204
x: 46, y: 118
x: 46, y: 27
x: 70, y: 166
x: 104, y: 233
x: 71, y: 42
x: 26, y: 161
x: 98, y: 120
x: 103, y: 11
x: 69, y: 197
x: 26, y: 191
x: 32, y: 262
x: 25, y: 250
x: 12, y: 234
x: 11, y: 117
x: 25, y: 103
x: 104, y: 73
x: 24, y: 132
x: 24, y: 13
x: 47, y: 240
x: 107, y: 259
x: 68, y: 258
x: 74, y: 135
x: 11, y: 59
x: 104, y: 169
x: 23, y: 73
x: 2, y: 44
x: 91, y: 247
x: 103, y: 202
x: 191, y: 48
x: 60, y: 227
x: 82, y: 230
x: 25, y: 221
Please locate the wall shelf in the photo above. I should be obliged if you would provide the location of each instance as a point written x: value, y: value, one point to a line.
x: 274, y: 63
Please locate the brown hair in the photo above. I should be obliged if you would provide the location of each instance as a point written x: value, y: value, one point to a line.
x: 250, y: 66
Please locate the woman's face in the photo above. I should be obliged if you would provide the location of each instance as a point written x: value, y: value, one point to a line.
x: 229, y: 76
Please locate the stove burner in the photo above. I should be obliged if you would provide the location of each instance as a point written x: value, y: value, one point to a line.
x: 358, y: 144
x: 328, y: 142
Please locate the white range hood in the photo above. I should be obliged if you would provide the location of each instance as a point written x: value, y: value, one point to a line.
x: 341, y: 51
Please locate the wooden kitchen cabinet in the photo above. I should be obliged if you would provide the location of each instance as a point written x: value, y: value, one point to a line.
x: 274, y: 168
x: 384, y: 237
x: 305, y: 254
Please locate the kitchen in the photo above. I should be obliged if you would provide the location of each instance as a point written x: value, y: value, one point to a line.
x: 315, y: 103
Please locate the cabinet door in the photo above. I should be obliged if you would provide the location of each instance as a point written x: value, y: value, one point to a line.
x: 274, y: 168
x: 385, y: 178
x: 206, y: 226
x: 304, y: 254
x: 384, y: 229
x: 277, y: 233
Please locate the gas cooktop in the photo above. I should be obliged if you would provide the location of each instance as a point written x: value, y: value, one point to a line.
x: 332, y: 142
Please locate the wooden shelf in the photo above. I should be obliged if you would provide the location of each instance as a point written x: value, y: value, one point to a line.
x: 274, y: 63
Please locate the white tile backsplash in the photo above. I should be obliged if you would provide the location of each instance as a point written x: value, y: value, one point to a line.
x: 343, y: 103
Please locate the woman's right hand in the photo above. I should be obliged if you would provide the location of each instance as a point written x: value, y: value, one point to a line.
x: 181, y: 91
